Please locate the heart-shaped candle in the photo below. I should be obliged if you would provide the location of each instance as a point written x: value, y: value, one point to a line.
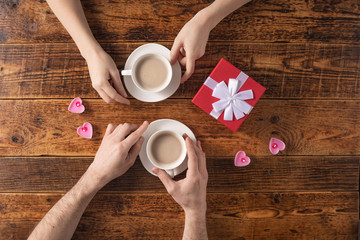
x: 86, y: 131
x: 76, y: 106
x: 276, y: 145
x: 241, y: 160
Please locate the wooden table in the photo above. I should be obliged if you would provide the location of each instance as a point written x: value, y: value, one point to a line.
x: 306, y: 53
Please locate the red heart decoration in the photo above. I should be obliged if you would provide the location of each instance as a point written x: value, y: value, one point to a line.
x: 86, y: 131
x: 276, y: 145
x: 241, y: 160
x: 76, y: 106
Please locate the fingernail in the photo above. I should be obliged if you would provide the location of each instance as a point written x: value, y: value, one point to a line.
x: 155, y: 170
x: 145, y: 122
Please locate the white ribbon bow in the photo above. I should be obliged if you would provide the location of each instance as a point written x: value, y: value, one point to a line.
x: 231, y: 100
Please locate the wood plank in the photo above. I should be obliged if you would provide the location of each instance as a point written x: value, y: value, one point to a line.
x: 286, y: 70
x: 259, y: 21
x: 310, y: 173
x: 314, y: 127
x: 230, y: 216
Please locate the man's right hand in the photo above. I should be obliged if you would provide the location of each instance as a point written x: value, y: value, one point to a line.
x: 189, y: 192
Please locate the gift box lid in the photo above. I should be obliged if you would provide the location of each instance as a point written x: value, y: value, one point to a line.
x: 223, y: 72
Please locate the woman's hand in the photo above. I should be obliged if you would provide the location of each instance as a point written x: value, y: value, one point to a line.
x: 190, y: 44
x: 105, y: 78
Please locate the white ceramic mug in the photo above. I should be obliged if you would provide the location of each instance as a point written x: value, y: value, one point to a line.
x: 131, y: 72
x: 170, y: 168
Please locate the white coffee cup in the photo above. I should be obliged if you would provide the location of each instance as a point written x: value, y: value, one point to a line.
x: 132, y: 72
x: 168, y: 167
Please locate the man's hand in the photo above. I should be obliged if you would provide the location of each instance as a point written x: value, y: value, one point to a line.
x: 190, y: 44
x: 117, y: 152
x: 189, y: 192
x: 105, y: 77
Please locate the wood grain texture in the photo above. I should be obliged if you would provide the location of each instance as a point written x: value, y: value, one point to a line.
x: 230, y: 216
x: 286, y: 70
x: 264, y: 174
x: 306, y: 53
x: 275, y: 20
x: 43, y: 127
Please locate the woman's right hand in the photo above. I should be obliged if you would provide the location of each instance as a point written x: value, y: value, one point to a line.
x: 105, y: 77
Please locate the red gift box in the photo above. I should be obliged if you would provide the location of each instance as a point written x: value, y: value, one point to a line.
x: 216, y: 81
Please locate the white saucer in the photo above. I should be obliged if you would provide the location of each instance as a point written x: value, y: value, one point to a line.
x: 150, y: 96
x: 164, y: 124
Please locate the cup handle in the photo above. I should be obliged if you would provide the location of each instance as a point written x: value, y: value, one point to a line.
x: 171, y: 173
x: 126, y: 72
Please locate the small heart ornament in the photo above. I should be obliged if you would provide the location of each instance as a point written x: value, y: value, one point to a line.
x: 76, y: 106
x: 86, y: 131
x: 276, y: 145
x: 241, y: 160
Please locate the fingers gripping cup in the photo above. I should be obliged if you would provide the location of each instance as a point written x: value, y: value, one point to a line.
x: 166, y: 150
x: 150, y: 73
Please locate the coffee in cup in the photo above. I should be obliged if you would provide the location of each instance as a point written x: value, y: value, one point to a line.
x: 150, y: 72
x: 166, y: 150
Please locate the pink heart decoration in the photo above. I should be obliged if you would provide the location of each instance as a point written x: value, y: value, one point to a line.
x: 86, y: 131
x: 76, y: 106
x: 276, y: 145
x: 241, y: 160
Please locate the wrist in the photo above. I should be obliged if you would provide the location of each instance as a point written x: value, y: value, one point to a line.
x: 208, y: 17
x: 91, y: 50
x: 198, y: 213
x: 93, y: 179
x: 85, y: 188
x: 203, y: 20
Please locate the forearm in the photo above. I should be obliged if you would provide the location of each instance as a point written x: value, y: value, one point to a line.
x: 218, y: 10
x: 71, y: 14
x: 195, y: 225
x: 62, y: 219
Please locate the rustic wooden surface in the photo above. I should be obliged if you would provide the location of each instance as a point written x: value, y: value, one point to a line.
x: 285, y: 173
x: 49, y: 126
x: 288, y: 70
x: 157, y: 216
x: 259, y: 21
x: 306, y: 53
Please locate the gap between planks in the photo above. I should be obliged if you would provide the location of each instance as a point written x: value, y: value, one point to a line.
x: 167, y: 42
x: 177, y: 98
